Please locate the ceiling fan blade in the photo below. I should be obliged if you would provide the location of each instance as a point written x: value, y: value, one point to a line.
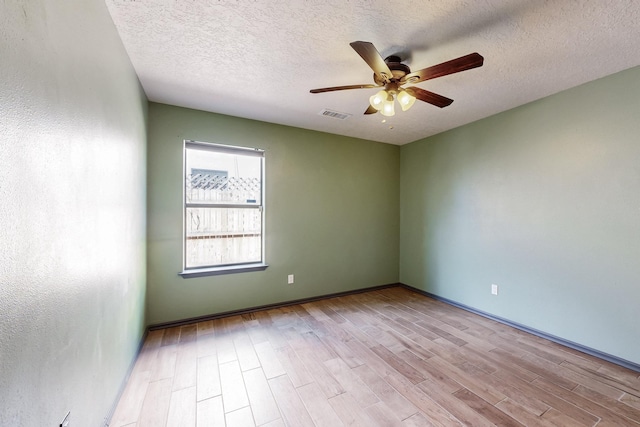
x: 463, y: 63
x: 371, y: 110
x: 430, y: 97
x: 331, y: 89
x: 372, y: 57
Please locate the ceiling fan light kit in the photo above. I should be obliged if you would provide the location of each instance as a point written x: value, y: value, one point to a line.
x: 388, y: 107
x: 405, y: 99
x: 383, y: 101
x: 391, y: 74
x: 377, y: 99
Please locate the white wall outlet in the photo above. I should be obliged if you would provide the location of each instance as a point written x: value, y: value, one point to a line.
x: 494, y: 289
x: 290, y: 279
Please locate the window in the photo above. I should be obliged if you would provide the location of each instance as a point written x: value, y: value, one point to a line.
x: 223, y: 209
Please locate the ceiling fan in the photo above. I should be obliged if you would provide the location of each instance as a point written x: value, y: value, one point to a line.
x: 391, y: 75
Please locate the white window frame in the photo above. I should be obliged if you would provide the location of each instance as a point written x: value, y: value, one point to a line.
x: 189, y: 272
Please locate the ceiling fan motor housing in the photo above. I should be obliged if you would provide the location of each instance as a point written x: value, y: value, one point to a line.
x: 398, y: 71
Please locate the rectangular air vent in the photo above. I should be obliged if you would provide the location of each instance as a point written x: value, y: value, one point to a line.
x: 335, y: 114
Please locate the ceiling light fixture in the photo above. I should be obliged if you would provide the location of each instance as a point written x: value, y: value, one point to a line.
x: 383, y: 101
x: 405, y: 99
x: 387, y: 107
x: 378, y: 99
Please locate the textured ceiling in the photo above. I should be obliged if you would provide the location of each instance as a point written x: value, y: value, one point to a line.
x: 259, y: 58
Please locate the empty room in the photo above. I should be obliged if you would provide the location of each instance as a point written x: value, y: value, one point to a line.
x: 298, y: 213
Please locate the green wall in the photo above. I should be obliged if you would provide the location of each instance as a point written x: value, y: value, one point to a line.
x: 72, y: 213
x: 543, y: 200
x: 332, y: 215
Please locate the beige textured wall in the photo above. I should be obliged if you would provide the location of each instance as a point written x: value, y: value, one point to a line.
x: 72, y: 212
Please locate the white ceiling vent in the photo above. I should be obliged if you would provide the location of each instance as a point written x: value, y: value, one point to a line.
x: 335, y: 114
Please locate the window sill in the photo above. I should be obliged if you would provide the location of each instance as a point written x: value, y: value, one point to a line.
x: 216, y: 271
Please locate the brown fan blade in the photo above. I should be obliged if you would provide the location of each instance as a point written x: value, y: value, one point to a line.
x: 372, y: 57
x: 371, y: 110
x: 331, y: 89
x: 463, y: 63
x: 430, y: 97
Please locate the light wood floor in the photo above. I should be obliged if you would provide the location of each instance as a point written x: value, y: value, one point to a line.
x: 389, y: 357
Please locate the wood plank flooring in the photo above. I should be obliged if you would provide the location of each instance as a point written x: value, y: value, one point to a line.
x: 389, y: 357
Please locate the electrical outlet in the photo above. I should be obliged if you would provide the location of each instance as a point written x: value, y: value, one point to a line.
x: 65, y: 422
x: 290, y: 279
x: 494, y: 289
